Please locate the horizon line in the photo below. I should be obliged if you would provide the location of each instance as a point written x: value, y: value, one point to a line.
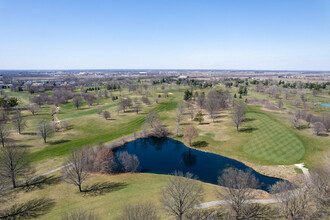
x: 164, y: 69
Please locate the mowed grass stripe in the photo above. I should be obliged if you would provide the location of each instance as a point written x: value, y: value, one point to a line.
x: 272, y: 142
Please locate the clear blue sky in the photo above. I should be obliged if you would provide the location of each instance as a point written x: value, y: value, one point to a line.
x: 232, y: 34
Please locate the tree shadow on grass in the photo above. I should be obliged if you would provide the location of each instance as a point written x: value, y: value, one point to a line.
x: 219, y: 116
x: 323, y: 135
x: 198, y: 144
x: 247, y: 130
x: 58, y: 142
x: 29, y: 133
x: 25, y: 145
x: 82, y: 108
x: 249, y: 119
x: 31, y: 209
x: 40, y: 183
x: 97, y: 189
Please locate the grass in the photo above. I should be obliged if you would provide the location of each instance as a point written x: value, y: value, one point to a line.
x: 272, y: 141
x: 108, y: 203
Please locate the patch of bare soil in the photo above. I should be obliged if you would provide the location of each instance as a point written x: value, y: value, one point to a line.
x: 286, y: 172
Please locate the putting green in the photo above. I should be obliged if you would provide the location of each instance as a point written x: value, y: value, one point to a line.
x: 271, y: 141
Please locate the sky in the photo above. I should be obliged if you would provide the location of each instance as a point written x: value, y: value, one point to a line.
x: 165, y: 34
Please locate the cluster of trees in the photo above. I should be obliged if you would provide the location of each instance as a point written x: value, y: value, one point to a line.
x: 113, y: 87
x: 320, y: 124
x: 81, y: 163
x: 58, y: 96
x: 92, y: 89
x: 215, y: 101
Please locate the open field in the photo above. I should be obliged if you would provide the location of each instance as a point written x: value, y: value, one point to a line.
x: 117, y: 191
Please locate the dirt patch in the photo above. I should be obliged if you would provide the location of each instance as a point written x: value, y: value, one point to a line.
x: 286, y: 172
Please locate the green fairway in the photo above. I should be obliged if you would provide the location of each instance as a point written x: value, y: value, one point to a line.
x: 271, y: 141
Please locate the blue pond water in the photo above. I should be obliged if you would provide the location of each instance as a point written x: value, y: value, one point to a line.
x: 166, y: 155
x: 328, y: 105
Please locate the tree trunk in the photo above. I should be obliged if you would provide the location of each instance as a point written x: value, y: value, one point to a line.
x: 79, y: 188
x: 13, y: 181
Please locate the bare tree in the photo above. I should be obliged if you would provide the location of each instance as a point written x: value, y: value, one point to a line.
x: 318, y: 128
x: 33, y: 108
x: 89, y: 98
x: 4, y: 134
x: 77, y: 173
x: 140, y: 211
x: 179, y: 111
x: 53, y: 110
x: 45, y: 130
x: 189, y: 133
x: 205, y: 214
x: 151, y: 118
x: 191, y: 110
x: 129, y: 162
x: 201, y: 100
x: 239, y: 193
x: 280, y: 104
x: 178, y: 116
x: 295, y: 119
x: 326, y: 121
x: 293, y: 201
x: 137, y: 108
x: 321, y: 191
x: 237, y: 114
x: 125, y: 103
x: 212, y: 107
x: 106, y: 115
x: 145, y: 100
x: 159, y: 130
x: 14, y: 164
x: 18, y: 122
x: 103, y: 161
x: 99, y: 110
x: 181, y: 195
x: 286, y: 93
x: 177, y: 129
x: 65, y: 124
x: 308, y: 119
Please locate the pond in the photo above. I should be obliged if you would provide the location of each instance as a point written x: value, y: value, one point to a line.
x: 328, y: 105
x: 166, y: 155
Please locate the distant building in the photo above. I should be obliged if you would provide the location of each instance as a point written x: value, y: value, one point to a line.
x: 183, y: 77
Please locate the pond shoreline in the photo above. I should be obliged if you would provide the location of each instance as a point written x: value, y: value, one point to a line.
x: 285, y: 172
x: 167, y: 155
